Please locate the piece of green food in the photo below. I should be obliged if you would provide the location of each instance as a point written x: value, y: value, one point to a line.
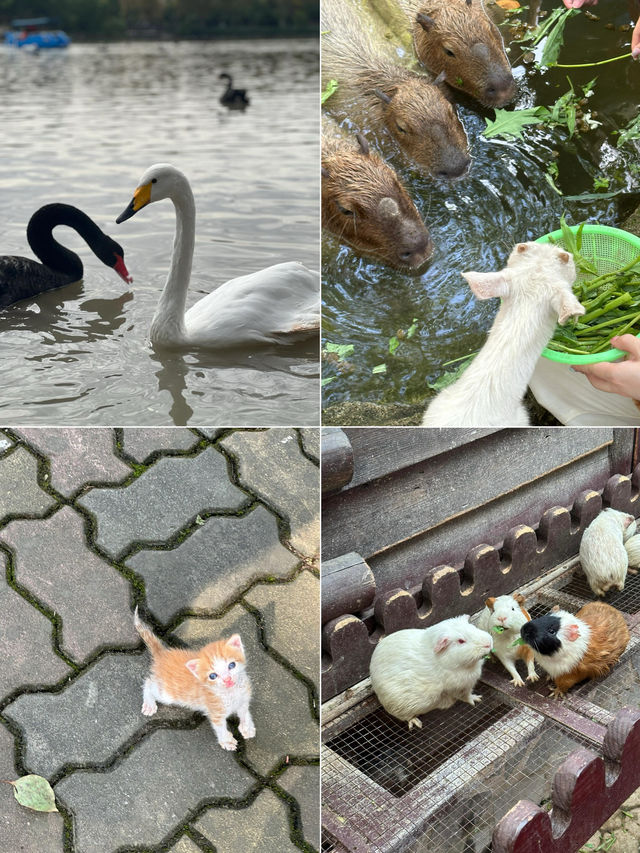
x: 519, y: 642
x: 498, y: 629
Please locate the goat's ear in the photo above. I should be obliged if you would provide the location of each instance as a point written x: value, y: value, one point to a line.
x: 566, y: 305
x: 485, y: 285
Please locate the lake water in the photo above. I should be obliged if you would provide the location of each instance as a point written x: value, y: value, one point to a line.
x: 474, y: 222
x: 81, y: 126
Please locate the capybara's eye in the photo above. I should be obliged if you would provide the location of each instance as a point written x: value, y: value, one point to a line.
x: 448, y: 52
x: 345, y: 210
x: 401, y: 128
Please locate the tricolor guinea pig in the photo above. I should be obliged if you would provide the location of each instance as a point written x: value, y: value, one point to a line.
x: 502, y: 618
x: 603, y: 556
x: 573, y: 648
x: 419, y: 669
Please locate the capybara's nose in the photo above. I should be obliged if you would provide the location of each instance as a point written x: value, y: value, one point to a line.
x: 455, y: 166
x: 415, y: 249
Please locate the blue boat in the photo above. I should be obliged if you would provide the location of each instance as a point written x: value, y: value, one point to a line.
x: 32, y: 33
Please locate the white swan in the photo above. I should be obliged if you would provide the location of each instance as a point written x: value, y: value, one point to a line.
x: 279, y: 304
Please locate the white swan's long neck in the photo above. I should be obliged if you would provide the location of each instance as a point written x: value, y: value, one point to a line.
x: 168, y: 325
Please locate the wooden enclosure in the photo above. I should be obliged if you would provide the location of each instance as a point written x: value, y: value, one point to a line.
x: 421, y: 525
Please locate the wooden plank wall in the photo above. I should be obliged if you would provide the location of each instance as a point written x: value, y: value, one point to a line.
x: 422, y: 498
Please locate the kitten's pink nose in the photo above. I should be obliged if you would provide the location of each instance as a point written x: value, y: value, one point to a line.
x: 228, y: 682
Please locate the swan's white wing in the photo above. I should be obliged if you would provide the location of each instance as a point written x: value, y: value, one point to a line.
x: 262, y: 307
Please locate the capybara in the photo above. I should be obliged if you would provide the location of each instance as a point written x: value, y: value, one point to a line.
x: 364, y: 204
x: 384, y: 99
x: 457, y: 37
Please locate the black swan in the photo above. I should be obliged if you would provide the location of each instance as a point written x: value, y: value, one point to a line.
x: 233, y: 97
x: 21, y: 278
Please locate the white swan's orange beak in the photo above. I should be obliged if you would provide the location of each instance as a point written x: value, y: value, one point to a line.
x: 141, y: 197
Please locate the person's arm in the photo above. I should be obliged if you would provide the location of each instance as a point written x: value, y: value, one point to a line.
x: 617, y: 377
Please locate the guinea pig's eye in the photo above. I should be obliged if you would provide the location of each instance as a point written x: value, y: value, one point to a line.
x: 448, y: 51
x: 553, y: 630
x: 461, y: 641
x: 213, y: 676
x: 345, y: 210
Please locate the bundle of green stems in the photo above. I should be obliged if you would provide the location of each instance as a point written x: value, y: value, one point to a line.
x: 612, y: 306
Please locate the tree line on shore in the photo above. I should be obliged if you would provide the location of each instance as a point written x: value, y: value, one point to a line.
x: 176, y: 18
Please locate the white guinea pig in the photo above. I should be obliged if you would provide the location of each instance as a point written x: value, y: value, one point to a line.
x: 603, y: 556
x: 419, y: 669
x: 506, y: 613
x: 632, y: 547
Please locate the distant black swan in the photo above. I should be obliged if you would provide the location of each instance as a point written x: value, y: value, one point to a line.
x: 21, y: 278
x: 233, y: 97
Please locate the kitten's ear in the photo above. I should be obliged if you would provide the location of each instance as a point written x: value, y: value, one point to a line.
x: 193, y: 666
x: 235, y: 642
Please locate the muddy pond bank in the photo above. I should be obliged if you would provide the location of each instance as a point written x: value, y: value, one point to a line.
x: 516, y: 190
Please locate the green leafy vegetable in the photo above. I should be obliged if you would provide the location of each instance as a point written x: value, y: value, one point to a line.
x: 555, y: 37
x: 518, y: 642
x: 329, y: 90
x: 498, y: 629
x: 511, y: 123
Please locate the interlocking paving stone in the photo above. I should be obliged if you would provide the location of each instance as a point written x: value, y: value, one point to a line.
x: 91, y: 719
x: 279, y: 702
x: 162, y: 500
x: 292, y: 620
x: 207, y: 570
x: 211, y: 432
x: 78, y: 456
x: 311, y: 442
x: 22, y: 830
x: 263, y: 826
x: 185, y: 845
x: 25, y: 643
x: 151, y: 790
x: 303, y: 783
x: 53, y: 562
x: 271, y: 465
x: 141, y: 443
x: 19, y: 490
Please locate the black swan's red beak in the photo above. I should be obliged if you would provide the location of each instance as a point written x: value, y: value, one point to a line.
x: 122, y: 271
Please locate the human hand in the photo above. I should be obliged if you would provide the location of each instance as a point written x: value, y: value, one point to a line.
x: 576, y: 4
x: 617, y: 377
x: 635, y: 41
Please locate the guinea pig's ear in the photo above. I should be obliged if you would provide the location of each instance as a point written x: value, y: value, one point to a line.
x: 555, y: 608
x: 442, y: 644
x: 572, y: 632
x: 490, y: 602
x: 519, y: 598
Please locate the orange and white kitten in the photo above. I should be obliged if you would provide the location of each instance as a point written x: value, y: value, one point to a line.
x: 212, y: 680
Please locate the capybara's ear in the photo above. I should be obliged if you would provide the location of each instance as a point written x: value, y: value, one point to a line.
x: 425, y: 22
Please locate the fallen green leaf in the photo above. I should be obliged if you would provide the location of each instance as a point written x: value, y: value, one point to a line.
x: 412, y: 328
x: 380, y: 368
x: 341, y: 350
x: 394, y: 343
x: 326, y: 380
x: 34, y: 793
x: 200, y: 520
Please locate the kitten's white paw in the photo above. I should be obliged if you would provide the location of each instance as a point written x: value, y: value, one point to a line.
x: 149, y: 708
x: 517, y: 681
x: 229, y: 743
x: 247, y: 731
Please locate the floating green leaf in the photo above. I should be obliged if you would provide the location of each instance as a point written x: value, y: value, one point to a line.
x: 450, y: 376
x: 413, y: 328
x: 380, y: 368
x: 341, y: 350
x: 631, y: 131
x: 394, y: 343
x: 326, y: 380
x: 329, y: 90
x: 511, y: 123
x: 34, y: 793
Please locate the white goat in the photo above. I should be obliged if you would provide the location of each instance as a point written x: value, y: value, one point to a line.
x: 535, y: 288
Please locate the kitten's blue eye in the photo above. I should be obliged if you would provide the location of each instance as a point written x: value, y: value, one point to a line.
x: 213, y: 676
x: 232, y: 665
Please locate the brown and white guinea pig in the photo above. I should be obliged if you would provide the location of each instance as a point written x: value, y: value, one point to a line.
x: 603, y: 556
x: 419, y: 669
x: 502, y: 618
x: 573, y: 648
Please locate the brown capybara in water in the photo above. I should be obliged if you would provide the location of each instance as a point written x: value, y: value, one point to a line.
x: 382, y: 99
x: 364, y: 204
x: 457, y: 37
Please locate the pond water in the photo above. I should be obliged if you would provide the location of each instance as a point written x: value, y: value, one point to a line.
x: 81, y: 126
x: 475, y: 222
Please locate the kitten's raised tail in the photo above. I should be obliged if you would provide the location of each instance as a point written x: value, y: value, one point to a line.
x: 153, y: 643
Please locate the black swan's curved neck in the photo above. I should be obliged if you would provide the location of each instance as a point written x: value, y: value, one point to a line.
x: 50, y: 252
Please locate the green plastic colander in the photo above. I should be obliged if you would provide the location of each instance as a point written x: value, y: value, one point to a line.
x: 611, y: 248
